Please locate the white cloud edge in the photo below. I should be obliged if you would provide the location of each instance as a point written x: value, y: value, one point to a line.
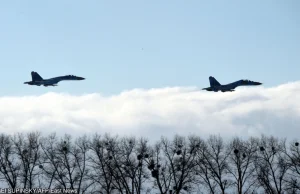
x: 249, y: 111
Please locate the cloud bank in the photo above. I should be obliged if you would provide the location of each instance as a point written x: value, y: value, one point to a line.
x: 159, y: 112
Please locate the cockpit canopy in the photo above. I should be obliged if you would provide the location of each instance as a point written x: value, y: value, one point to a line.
x: 246, y: 80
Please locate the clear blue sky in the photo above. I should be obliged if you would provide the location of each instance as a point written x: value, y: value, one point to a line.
x: 125, y: 44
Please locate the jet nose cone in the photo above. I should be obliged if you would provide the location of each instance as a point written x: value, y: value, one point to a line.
x: 81, y: 78
x: 257, y: 83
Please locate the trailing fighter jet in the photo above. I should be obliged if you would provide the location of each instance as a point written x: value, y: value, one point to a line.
x: 38, y: 80
x: 216, y: 86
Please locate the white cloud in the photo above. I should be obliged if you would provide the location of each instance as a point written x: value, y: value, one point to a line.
x: 156, y: 112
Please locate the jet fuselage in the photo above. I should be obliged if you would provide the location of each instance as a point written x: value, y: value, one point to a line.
x: 224, y: 88
x: 216, y: 86
x: 38, y: 80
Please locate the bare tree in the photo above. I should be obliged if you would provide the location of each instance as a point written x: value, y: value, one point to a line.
x: 80, y: 154
x: 106, y: 164
x: 213, y: 165
x: 9, y: 164
x: 99, y: 162
x: 241, y: 164
x: 271, y: 165
x: 27, y: 149
x: 49, y: 161
x: 130, y: 163
x: 161, y: 173
x: 119, y: 163
x: 293, y: 160
x: 65, y: 163
x: 172, y: 164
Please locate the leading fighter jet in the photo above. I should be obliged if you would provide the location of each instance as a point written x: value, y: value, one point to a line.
x: 216, y: 86
x: 38, y: 80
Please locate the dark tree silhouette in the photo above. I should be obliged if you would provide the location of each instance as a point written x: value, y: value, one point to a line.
x: 293, y: 161
x: 119, y: 164
x: 64, y: 163
x: 107, y: 164
x: 271, y: 165
x: 213, y: 165
x: 10, y: 166
x: 102, y: 173
x: 241, y: 164
x: 172, y: 164
x: 27, y: 149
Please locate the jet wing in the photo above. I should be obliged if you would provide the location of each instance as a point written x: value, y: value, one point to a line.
x: 249, y: 83
x: 71, y: 77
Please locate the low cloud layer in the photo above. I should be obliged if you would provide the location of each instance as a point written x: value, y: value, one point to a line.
x: 164, y: 111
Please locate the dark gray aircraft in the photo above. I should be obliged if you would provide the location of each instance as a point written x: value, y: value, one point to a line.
x: 38, y: 80
x: 216, y: 86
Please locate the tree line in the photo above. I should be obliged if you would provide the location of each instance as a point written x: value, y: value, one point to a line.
x: 110, y: 164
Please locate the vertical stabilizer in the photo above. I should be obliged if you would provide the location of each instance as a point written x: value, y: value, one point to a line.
x: 213, y: 82
x: 36, y: 77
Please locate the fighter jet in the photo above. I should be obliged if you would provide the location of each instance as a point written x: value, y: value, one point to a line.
x: 38, y: 80
x: 216, y: 86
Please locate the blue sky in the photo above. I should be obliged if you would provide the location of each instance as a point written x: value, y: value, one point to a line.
x: 122, y: 45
